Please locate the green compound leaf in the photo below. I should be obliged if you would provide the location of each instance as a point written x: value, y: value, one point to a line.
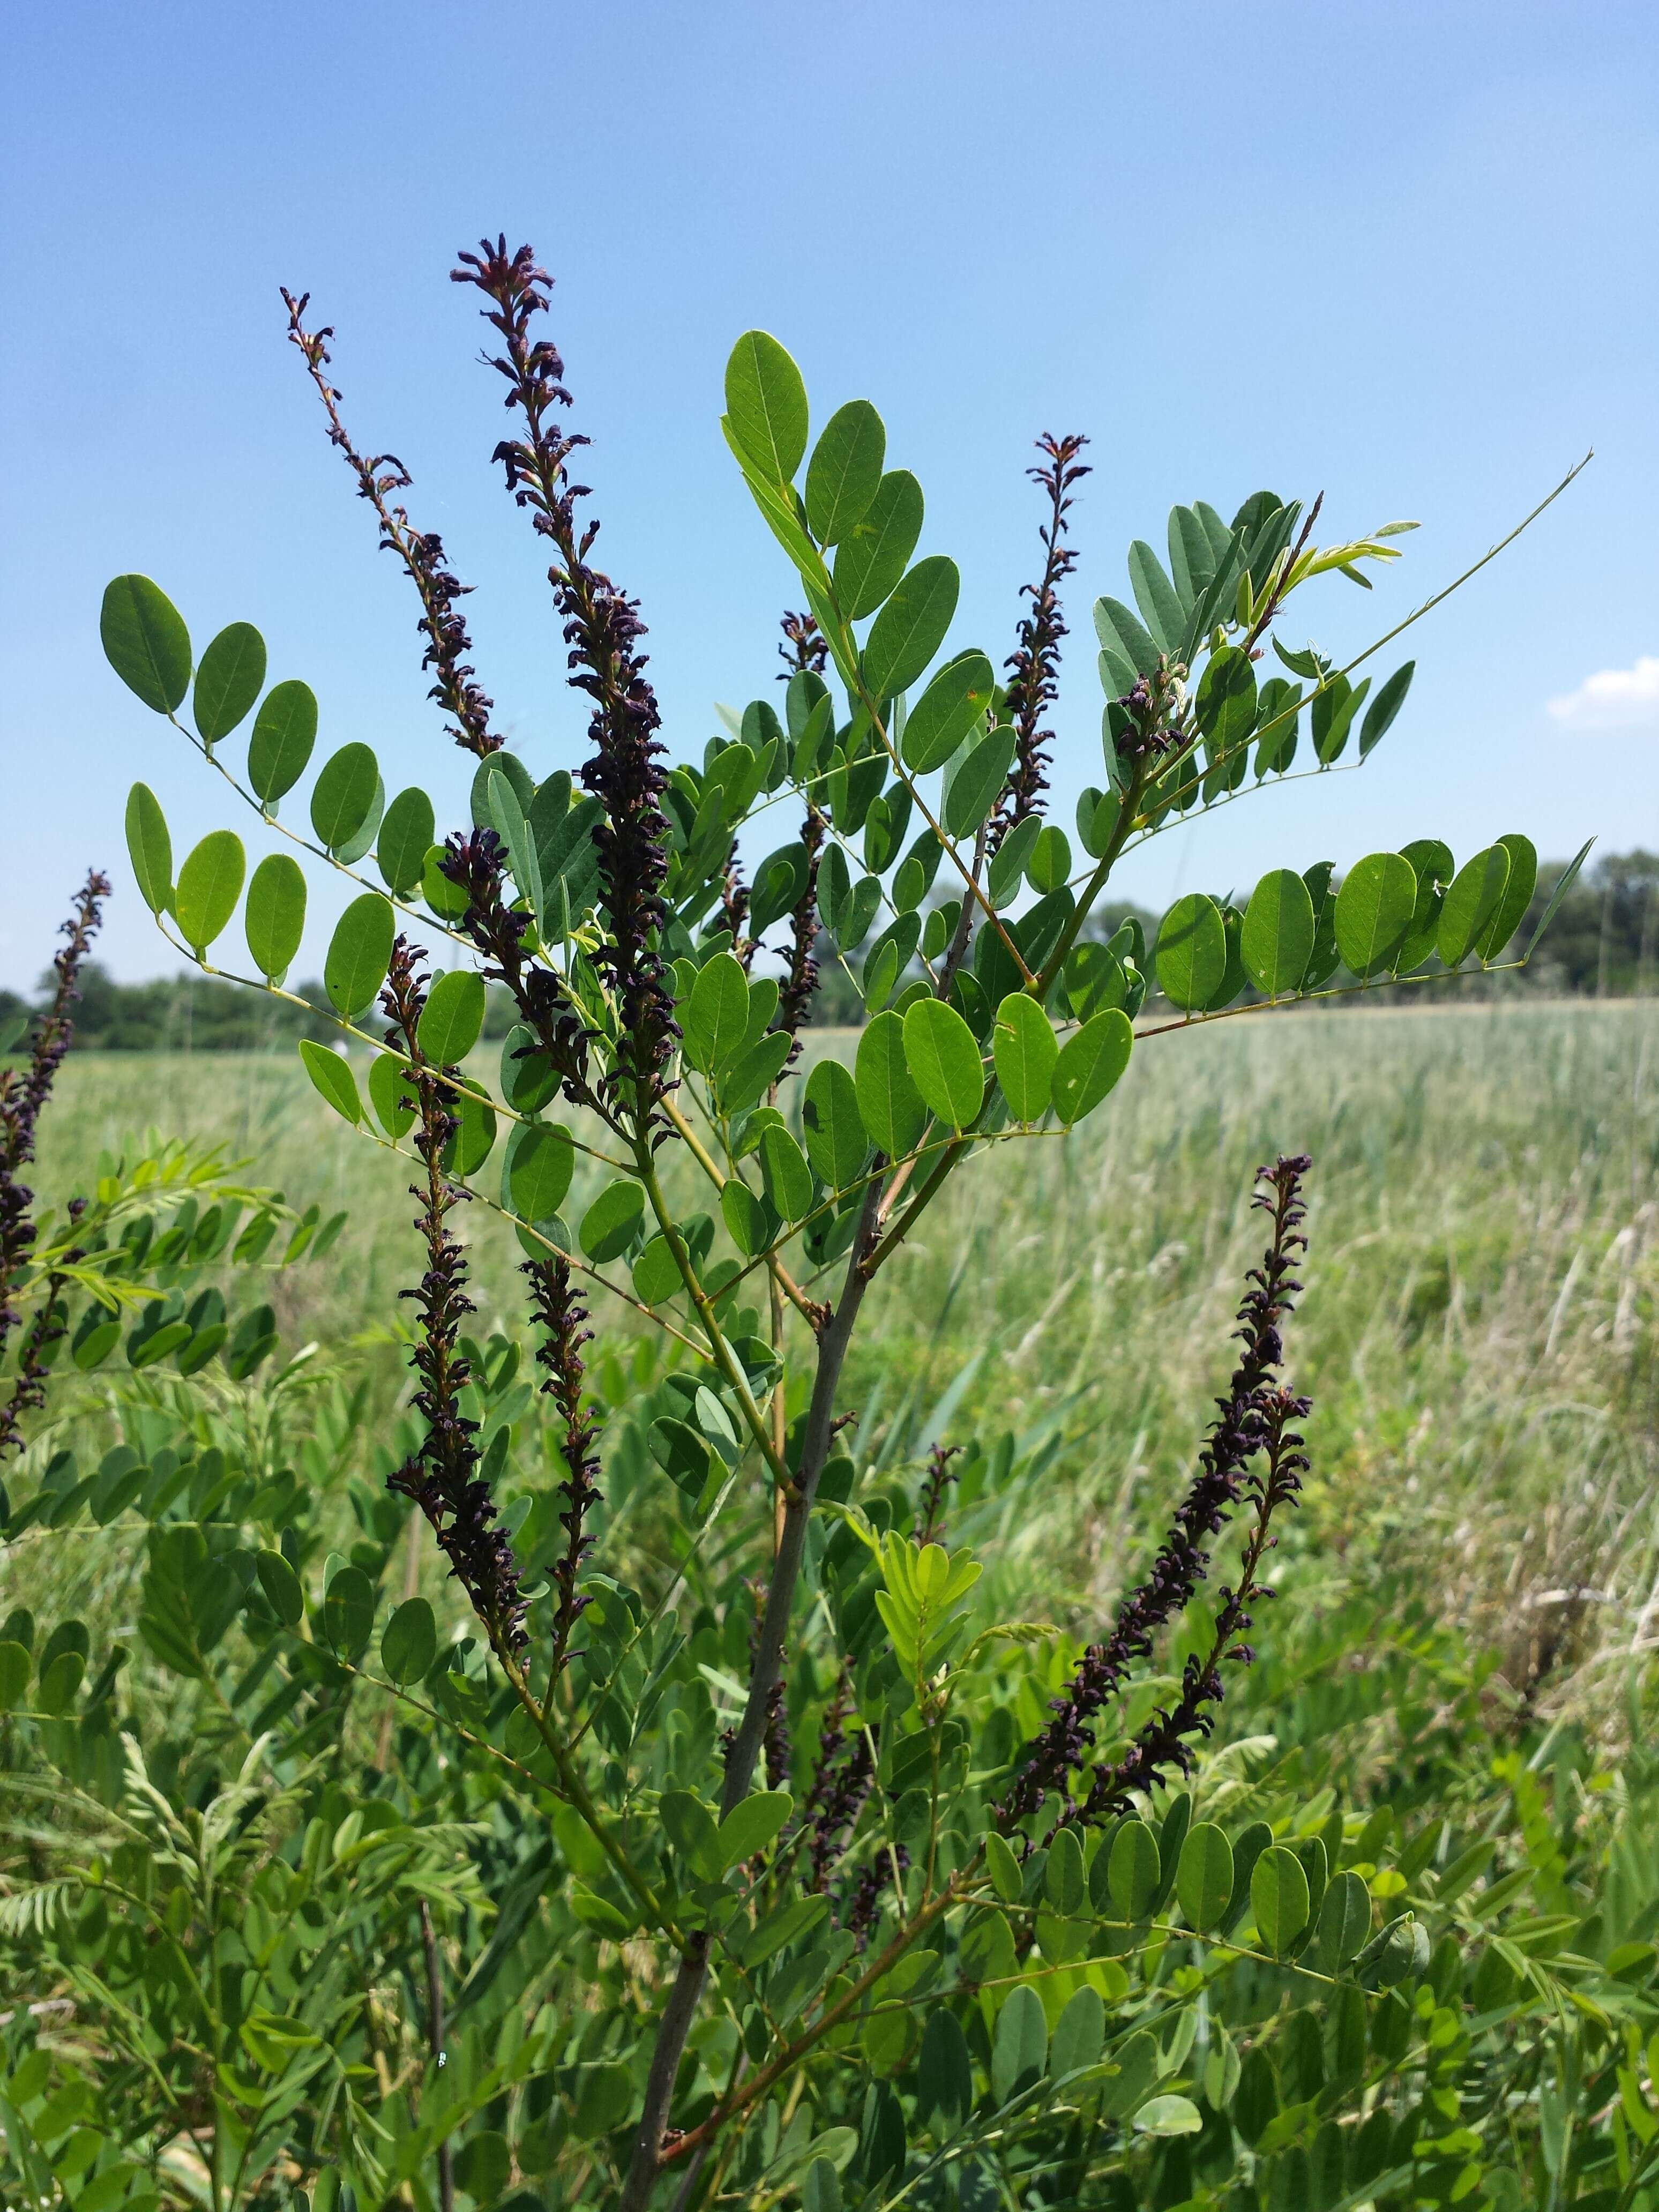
x: 874, y: 554
x: 451, y: 1018
x: 145, y: 641
x: 947, y: 710
x: 149, y: 848
x: 832, y: 1128
x: 409, y: 1644
x: 1024, y: 1049
x: 890, y: 1105
x: 845, y: 470
x: 329, y: 1073
x: 344, y: 796
x: 911, y: 629
x: 1279, y: 1897
x: 1091, y: 1063
x: 275, y: 918
x: 230, y: 678
x: 1374, y: 910
x: 209, y: 885
x: 1518, y: 888
x: 1278, y: 937
x: 544, y: 1159
x: 359, y: 954
x: 1192, y: 952
x: 1476, y: 893
x: 407, y: 830
x: 943, y: 1058
x: 766, y: 406
x: 1204, y: 1880
x: 284, y: 732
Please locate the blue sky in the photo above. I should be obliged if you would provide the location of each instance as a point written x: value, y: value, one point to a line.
x: 1403, y: 252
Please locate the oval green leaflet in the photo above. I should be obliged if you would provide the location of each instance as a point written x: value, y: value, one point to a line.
x: 766, y: 406
x: 474, y: 1133
x: 210, y: 884
x: 943, y: 1058
x: 451, y: 1018
x: 1277, y: 937
x: 406, y: 832
x: 716, y: 1017
x: 230, y: 678
x: 1374, y: 911
x: 874, y: 554
x: 348, y: 1614
x: 1476, y: 892
x: 330, y: 1074
x: 284, y: 732
x: 611, y: 1223
x: 1091, y: 1062
x: 832, y: 1128
x: 1518, y: 888
x: 408, y: 1643
x: 150, y: 847
x: 543, y: 1159
x: 947, y: 711
x: 146, y: 642
x: 359, y: 954
x: 1381, y: 713
x: 744, y: 1217
x: 656, y: 1273
x: 1226, y: 704
x: 282, y: 1588
x: 971, y: 791
x: 1132, y: 1871
x: 1024, y: 1048
x: 890, y: 1105
x: 1279, y: 1897
x: 343, y: 795
x: 1050, y: 862
x: 1192, y: 952
x: 845, y: 470
x: 1204, y: 1879
x: 787, y: 1178
x: 391, y: 1093
x: 911, y: 629
x: 275, y: 917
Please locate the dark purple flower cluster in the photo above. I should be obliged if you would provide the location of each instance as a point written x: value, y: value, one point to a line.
x: 1161, y: 1749
x: 1251, y: 1416
x: 602, y: 628
x: 885, y: 1869
x: 422, y: 552
x: 563, y: 1318
x: 1033, y: 667
x: 805, y: 646
x: 476, y: 864
x: 842, y: 1777
x: 800, y: 981
x: 23, y: 1093
x: 441, y: 1475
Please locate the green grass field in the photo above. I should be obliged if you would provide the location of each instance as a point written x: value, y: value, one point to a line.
x: 1478, y: 1333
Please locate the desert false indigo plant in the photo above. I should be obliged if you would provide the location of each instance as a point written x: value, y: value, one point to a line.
x: 830, y: 1889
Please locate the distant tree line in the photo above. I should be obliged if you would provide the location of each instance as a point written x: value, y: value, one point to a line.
x: 1603, y: 943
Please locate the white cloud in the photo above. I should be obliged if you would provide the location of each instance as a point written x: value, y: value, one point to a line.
x: 1613, y: 698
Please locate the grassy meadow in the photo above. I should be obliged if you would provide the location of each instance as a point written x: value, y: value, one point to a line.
x: 1477, y: 1336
